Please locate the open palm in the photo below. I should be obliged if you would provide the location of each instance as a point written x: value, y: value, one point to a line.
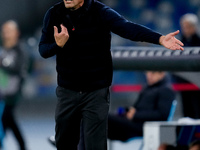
x: 169, y: 41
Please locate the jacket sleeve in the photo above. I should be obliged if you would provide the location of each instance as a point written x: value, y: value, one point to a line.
x: 47, y: 45
x: 127, y: 29
x: 162, y: 108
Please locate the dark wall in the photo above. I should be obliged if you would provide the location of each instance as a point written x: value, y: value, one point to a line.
x: 28, y: 13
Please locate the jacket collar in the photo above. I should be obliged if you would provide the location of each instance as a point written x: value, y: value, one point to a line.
x: 86, y: 6
x: 162, y: 82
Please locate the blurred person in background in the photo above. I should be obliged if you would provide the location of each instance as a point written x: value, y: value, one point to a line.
x: 190, y: 37
x: 78, y: 32
x: 189, y: 29
x: 13, y: 64
x: 153, y: 104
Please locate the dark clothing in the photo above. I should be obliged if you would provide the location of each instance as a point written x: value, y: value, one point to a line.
x: 13, y: 63
x: 190, y: 99
x: 193, y: 41
x: 9, y: 122
x: 84, y: 63
x: 191, y: 103
x: 72, y: 107
x: 120, y: 128
x: 153, y: 104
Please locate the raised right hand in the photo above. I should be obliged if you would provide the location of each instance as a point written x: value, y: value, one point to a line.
x: 62, y: 37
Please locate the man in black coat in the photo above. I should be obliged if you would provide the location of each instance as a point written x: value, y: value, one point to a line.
x: 153, y: 104
x: 190, y: 99
x: 78, y: 32
x: 189, y: 28
x: 189, y: 36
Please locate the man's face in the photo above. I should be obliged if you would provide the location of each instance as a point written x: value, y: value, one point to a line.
x: 9, y: 32
x: 73, y: 4
x: 154, y: 77
x: 187, y: 29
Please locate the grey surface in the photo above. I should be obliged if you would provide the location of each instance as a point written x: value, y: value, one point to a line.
x: 36, y: 120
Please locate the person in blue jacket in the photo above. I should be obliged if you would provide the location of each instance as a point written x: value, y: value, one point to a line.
x: 78, y: 33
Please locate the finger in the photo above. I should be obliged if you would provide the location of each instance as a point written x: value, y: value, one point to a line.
x: 178, y: 47
x: 55, y: 30
x: 63, y: 28
x: 175, y: 33
x: 179, y: 42
x: 181, y: 48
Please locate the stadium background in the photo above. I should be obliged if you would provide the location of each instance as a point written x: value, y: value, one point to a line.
x: 39, y: 90
x: 160, y: 15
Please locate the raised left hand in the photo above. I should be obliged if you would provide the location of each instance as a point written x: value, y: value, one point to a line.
x: 169, y: 41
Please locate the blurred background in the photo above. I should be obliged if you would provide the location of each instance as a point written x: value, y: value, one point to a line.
x: 35, y: 111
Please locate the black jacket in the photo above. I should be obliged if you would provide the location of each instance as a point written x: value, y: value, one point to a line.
x: 194, y: 40
x: 13, y: 70
x: 154, y: 102
x: 85, y: 63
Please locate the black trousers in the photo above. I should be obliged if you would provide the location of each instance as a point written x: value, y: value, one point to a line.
x: 191, y: 104
x: 120, y: 128
x: 87, y: 108
x: 9, y: 122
